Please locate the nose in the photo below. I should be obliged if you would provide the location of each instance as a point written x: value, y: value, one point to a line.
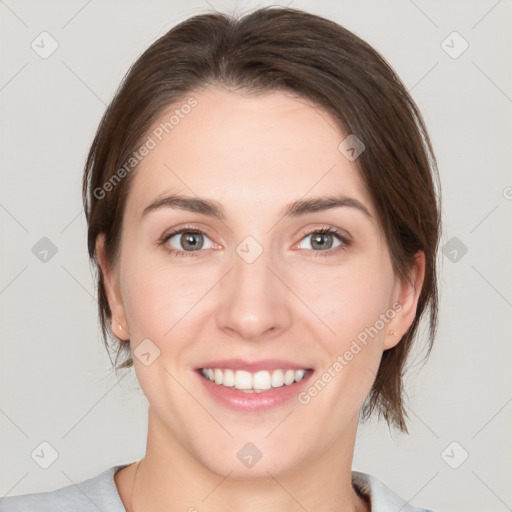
x: 254, y: 302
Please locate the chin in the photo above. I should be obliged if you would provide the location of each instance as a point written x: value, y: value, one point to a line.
x: 246, y: 461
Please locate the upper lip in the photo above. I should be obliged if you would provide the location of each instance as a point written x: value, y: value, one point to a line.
x: 253, y: 366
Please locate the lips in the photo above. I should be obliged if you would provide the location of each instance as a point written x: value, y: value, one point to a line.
x: 254, y: 366
x: 253, y: 386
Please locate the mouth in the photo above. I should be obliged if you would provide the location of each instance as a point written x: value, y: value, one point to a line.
x: 253, y: 388
x: 253, y: 382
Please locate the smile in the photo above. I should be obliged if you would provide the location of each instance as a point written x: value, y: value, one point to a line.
x: 253, y: 382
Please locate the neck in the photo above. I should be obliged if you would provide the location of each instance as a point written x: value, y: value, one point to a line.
x: 169, y: 478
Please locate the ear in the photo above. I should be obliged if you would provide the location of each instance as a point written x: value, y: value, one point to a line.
x: 406, y: 294
x: 119, y: 325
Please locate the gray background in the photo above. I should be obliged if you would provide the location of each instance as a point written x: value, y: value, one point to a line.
x: 56, y: 382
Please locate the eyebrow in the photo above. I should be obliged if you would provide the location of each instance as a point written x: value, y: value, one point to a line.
x: 215, y: 209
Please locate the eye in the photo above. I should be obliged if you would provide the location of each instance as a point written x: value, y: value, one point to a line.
x: 322, y: 240
x: 185, y: 242
x: 190, y: 241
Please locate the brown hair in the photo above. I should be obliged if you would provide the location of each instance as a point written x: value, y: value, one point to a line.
x: 289, y: 50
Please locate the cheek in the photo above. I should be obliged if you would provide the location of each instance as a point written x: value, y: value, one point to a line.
x: 349, y: 299
x: 154, y: 297
x: 352, y: 303
x: 163, y: 297
x: 156, y: 302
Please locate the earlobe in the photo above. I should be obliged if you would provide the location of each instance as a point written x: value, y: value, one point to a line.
x: 392, y: 338
x: 110, y: 282
x: 407, y: 295
x: 122, y: 333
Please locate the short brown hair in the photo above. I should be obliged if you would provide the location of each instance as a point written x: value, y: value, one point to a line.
x: 273, y: 49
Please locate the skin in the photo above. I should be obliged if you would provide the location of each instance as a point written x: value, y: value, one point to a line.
x: 254, y: 154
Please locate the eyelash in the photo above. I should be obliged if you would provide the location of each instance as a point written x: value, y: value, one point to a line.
x: 346, y: 242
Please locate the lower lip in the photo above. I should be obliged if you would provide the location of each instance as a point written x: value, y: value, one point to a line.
x: 263, y: 401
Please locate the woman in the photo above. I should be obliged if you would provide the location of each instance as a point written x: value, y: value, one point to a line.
x: 261, y: 205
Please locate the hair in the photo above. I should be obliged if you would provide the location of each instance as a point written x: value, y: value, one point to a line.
x: 281, y: 49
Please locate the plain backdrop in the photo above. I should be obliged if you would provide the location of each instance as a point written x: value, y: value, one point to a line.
x: 57, y: 386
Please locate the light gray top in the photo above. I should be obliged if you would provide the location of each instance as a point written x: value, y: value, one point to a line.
x: 100, y: 494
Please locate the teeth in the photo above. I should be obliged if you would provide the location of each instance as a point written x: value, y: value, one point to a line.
x: 243, y: 380
x: 261, y: 380
x: 289, y: 377
x: 228, y: 378
x: 299, y: 375
x: 277, y: 379
x: 253, y: 382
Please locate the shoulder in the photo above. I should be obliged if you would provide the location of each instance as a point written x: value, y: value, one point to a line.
x: 381, y: 497
x: 93, y: 494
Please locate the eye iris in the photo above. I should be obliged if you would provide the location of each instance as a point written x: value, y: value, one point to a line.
x: 317, y: 238
x: 190, y: 241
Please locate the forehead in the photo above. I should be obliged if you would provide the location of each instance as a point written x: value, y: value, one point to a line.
x: 244, y: 151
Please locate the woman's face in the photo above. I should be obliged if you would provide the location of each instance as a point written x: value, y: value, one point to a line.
x: 254, y: 290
